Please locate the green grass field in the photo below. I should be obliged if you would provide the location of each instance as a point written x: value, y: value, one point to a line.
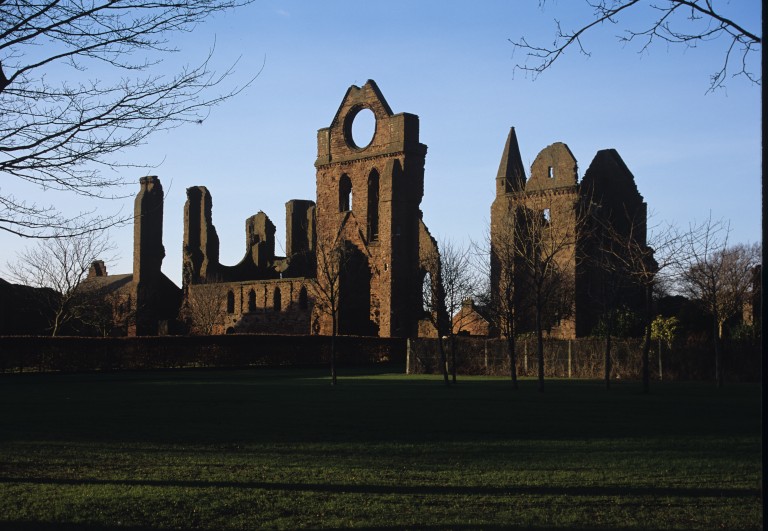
x: 284, y: 449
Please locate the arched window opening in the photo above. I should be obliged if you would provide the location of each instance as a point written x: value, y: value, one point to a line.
x: 277, y: 302
x: 230, y: 302
x: 345, y: 193
x: 373, y: 206
x: 251, y: 301
x: 303, y: 303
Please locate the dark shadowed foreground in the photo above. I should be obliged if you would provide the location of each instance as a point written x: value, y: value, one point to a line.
x: 284, y: 449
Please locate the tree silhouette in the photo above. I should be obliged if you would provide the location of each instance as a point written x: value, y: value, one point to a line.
x: 534, y: 269
x: 717, y: 275
x: 332, y: 258
x: 433, y: 302
x: 459, y: 283
x: 61, y: 264
x: 644, y: 261
x: 63, y: 117
x: 204, y: 306
x: 499, y: 260
x: 673, y: 22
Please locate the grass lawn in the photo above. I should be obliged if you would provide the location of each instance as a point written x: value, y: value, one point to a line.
x: 284, y: 449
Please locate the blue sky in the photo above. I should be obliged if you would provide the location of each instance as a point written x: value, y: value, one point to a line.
x: 451, y: 63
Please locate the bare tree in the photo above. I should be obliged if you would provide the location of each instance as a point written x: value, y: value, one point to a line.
x: 332, y: 258
x: 203, y: 307
x: 544, y: 267
x: 104, y: 311
x: 433, y: 302
x: 641, y: 260
x: 609, y: 290
x: 540, y: 258
x: 460, y: 283
x: 719, y: 276
x: 672, y: 22
x: 500, y: 262
x: 61, y: 264
x: 63, y: 117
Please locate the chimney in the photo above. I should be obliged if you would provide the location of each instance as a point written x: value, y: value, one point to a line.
x: 97, y: 269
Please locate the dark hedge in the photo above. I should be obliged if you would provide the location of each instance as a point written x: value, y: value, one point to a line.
x: 76, y: 354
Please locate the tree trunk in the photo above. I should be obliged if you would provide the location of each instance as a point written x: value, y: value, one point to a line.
x: 443, y: 359
x: 56, y: 324
x: 718, y: 351
x: 540, y: 347
x: 512, y: 359
x: 608, y: 360
x: 647, y: 339
x: 453, y: 358
x: 661, y: 372
x: 333, y: 350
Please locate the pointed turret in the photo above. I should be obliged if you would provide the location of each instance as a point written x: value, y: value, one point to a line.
x: 511, y: 174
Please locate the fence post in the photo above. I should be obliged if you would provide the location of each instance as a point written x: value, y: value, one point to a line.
x: 661, y: 374
x: 408, y: 356
x: 525, y: 358
x: 569, y: 358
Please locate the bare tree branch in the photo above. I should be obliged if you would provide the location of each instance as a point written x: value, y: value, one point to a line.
x: 684, y: 22
x: 717, y: 275
x: 61, y: 264
x: 60, y: 131
x: 333, y: 257
x: 533, y: 261
x: 443, y: 299
x: 627, y: 254
x: 203, y: 307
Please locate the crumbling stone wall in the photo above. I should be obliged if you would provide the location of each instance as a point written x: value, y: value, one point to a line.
x: 247, y: 291
x: 201, y: 243
x: 434, y: 314
x: 148, y: 254
x: 279, y: 306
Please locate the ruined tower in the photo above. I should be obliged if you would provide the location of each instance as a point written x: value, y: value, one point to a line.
x: 148, y: 254
x: 368, y: 198
x: 553, y: 216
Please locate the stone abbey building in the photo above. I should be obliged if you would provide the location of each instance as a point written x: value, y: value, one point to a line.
x: 366, y: 215
x: 361, y: 246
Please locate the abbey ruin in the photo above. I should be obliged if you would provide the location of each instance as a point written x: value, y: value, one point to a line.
x: 360, y: 251
x: 366, y: 215
x: 550, y: 232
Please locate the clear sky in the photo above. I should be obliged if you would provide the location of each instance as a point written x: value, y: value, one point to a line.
x: 451, y: 63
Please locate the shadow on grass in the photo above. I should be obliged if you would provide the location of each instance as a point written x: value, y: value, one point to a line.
x: 480, y: 490
x: 17, y: 525
x: 277, y: 406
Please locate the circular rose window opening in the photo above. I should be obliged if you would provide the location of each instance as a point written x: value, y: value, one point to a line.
x: 363, y: 128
